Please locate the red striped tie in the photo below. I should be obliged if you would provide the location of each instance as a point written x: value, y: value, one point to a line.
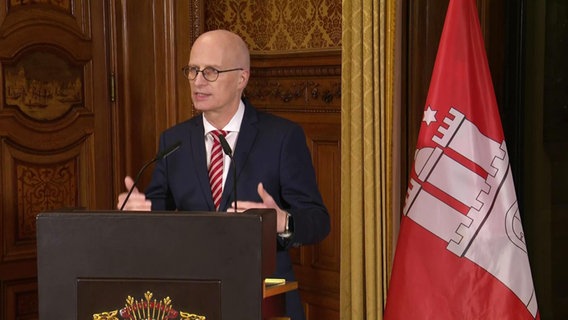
x: 216, y: 168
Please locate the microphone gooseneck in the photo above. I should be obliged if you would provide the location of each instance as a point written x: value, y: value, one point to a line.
x: 165, y: 153
x: 171, y: 149
x: 227, y: 150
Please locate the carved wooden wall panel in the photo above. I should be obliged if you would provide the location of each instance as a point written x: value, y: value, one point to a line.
x: 35, y: 183
x: 307, y: 83
x: 317, y: 267
x: 55, y: 129
x: 152, y: 42
x: 21, y: 299
x: 306, y: 88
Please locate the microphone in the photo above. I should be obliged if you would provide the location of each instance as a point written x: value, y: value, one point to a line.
x: 165, y: 153
x: 227, y: 150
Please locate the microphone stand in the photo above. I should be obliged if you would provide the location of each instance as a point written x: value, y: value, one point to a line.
x: 171, y: 149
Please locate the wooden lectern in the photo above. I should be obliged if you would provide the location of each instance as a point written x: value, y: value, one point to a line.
x: 183, y: 265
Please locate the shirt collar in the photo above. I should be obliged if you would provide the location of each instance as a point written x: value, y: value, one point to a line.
x: 233, y: 126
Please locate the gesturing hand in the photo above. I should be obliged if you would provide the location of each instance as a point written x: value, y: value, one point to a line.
x: 267, y: 202
x: 137, y: 200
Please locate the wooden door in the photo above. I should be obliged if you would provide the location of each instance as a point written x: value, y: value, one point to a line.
x: 55, y: 129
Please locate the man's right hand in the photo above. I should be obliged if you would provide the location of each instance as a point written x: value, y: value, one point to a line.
x: 137, y: 200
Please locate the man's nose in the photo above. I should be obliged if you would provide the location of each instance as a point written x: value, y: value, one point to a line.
x: 200, y: 79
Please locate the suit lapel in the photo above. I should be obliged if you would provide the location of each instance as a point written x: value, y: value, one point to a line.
x: 245, y: 141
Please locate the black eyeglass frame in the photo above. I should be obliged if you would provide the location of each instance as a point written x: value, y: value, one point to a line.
x: 206, y: 72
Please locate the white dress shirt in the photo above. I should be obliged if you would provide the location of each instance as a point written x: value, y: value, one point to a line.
x: 232, y: 128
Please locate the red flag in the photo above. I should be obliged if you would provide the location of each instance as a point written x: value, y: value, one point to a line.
x: 461, y: 252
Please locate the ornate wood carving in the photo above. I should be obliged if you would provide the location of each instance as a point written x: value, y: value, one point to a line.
x: 297, y: 93
x: 64, y: 5
x: 43, y: 85
x: 55, y: 116
x: 42, y: 187
x: 71, y: 16
x: 306, y: 83
x: 35, y: 182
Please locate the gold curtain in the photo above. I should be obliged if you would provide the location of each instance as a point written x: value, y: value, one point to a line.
x: 367, y: 186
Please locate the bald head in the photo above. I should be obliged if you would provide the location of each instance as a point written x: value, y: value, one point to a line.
x: 219, y: 98
x: 226, y: 46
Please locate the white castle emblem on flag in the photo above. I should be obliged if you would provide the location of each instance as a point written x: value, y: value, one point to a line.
x: 490, y: 234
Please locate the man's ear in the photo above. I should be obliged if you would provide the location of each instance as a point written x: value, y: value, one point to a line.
x: 243, y: 79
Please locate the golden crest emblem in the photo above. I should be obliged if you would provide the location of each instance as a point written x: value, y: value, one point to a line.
x: 147, y: 308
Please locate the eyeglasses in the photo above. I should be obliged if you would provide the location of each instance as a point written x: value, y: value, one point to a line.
x: 209, y: 73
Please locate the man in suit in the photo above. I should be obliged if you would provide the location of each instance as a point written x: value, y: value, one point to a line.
x: 273, y: 164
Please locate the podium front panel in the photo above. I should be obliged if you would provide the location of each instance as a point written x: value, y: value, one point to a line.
x: 114, y: 255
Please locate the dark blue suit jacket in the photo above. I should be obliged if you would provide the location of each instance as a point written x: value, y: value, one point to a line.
x: 269, y: 149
